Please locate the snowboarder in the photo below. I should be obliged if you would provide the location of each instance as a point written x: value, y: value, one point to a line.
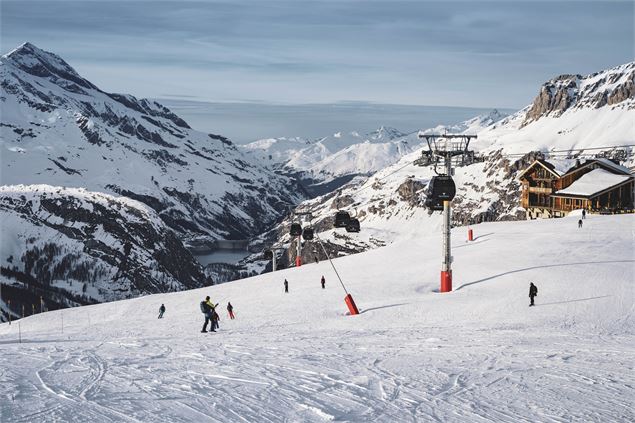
x: 286, y: 286
x: 579, y: 223
x: 533, y: 292
x: 583, y: 214
x: 323, y: 282
x: 207, y: 308
x: 230, y: 310
x: 161, y: 311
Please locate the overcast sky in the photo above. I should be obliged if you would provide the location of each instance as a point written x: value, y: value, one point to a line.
x: 472, y: 53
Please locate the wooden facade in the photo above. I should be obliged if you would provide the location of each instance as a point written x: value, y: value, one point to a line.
x: 541, y: 185
x: 538, y: 183
x: 612, y: 200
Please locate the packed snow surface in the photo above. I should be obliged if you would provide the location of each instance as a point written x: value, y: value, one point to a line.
x: 477, y: 354
x: 593, y: 182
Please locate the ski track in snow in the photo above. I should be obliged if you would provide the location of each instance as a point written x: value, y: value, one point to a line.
x: 339, y: 376
x: 413, y: 355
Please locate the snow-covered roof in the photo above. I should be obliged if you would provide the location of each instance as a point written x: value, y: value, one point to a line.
x: 606, y: 162
x: 596, y: 181
x: 548, y: 166
x: 615, y: 166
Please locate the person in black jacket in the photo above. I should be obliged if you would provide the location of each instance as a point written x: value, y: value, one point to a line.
x: 230, y: 310
x: 161, y: 311
x: 207, y: 308
x: 533, y: 292
x: 323, y: 282
x: 286, y: 286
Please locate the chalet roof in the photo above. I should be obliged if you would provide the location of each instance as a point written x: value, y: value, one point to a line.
x: 606, y: 163
x: 551, y: 168
x: 594, y: 182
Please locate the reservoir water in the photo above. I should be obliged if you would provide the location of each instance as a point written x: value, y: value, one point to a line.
x: 221, y: 256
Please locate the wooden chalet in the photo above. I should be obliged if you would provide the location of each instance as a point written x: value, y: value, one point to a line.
x: 597, y: 185
x: 538, y: 183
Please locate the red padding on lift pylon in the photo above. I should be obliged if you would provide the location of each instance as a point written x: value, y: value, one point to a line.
x: 298, y: 261
x: 352, y: 308
x: 446, y: 281
x: 470, y: 235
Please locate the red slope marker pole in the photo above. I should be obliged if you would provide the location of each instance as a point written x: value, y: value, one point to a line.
x: 298, y: 254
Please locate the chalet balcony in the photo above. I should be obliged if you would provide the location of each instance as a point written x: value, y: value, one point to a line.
x: 538, y: 190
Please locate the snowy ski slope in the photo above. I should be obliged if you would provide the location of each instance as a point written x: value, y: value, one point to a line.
x: 477, y: 354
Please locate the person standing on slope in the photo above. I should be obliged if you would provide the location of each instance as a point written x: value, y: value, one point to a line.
x: 583, y: 214
x: 579, y: 223
x: 161, y: 311
x: 323, y: 282
x: 230, y: 310
x: 207, y: 308
x: 533, y: 292
x: 286, y: 286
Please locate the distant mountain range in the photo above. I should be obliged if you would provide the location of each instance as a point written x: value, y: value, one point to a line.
x: 344, y: 155
x: 60, y: 129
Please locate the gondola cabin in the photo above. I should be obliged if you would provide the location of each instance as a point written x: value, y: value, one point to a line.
x: 440, y: 189
x: 296, y: 229
x: 342, y: 218
x: 307, y: 234
x: 353, y: 226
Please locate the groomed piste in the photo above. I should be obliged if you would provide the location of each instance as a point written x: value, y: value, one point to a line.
x: 477, y: 354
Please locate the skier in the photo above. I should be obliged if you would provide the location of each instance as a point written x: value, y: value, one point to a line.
x: 207, y: 308
x: 323, y: 282
x: 583, y: 214
x: 161, y: 311
x: 286, y: 286
x: 315, y: 257
x: 230, y: 310
x: 533, y: 292
x: 579, y: 223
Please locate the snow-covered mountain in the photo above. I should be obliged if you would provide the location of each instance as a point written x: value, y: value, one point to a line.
x: 60, y: 129
x: 486, y: 190
x: 345, y: 155
x: 336, y: 155
x: 70, y: 246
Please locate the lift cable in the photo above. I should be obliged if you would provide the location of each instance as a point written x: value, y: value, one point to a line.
x: 569, y: 151
x: 331, y: 261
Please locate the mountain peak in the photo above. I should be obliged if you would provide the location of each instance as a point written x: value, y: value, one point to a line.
x: 613, y: 87
x: 37, y: 62
x: 386, y: 132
